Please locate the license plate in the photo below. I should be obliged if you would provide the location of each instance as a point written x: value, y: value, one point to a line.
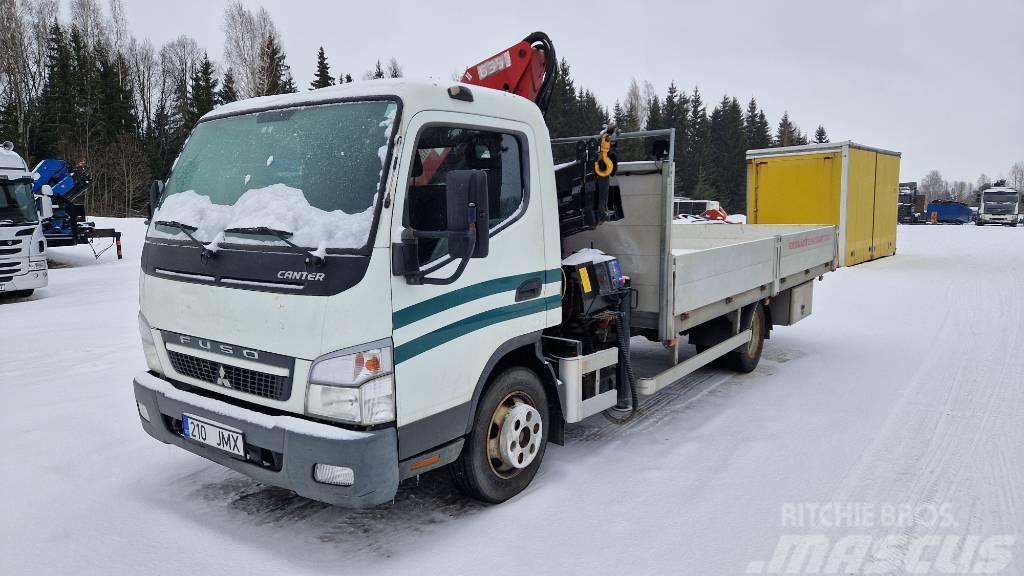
x: 213, y: 434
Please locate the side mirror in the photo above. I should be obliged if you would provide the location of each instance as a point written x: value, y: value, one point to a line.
x: 156, y: 189
x: 45, y: 207
x: 467, y: 230
x: 468, y: 214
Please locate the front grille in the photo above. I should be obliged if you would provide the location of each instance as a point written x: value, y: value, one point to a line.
x: 240, y: 379
x: 9, y: 251
x: 12, y: 268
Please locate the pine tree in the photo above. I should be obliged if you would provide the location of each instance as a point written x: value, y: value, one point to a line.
x: 562, y: 114
x: 227, y: 92
x: 592, y: 117
x: 323, y: 77
x: 655, y: 117
x: 115, y: 113
x: 820, y: 136
x: 787, y: 134
x: 378, y: 72
x: 56, y: 106
x: 725, y: 165
x: 203, y: 89
x: 676, y: 114
x: 695, y: 154
x: 756, y: 127
x: 275, y: 74
x: 348, y: 79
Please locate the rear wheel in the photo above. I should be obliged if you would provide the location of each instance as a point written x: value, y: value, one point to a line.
x: 745, y: 358
x: 507, y: 442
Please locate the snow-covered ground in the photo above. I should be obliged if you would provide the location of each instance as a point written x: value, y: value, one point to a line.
x: 896, y: 411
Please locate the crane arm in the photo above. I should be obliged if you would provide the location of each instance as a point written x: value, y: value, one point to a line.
x: 526, y: 69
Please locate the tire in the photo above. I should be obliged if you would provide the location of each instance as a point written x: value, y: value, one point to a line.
x: 978, y: 223
x: 745, y: 358
x: 482, y: 470
x: 21, y: 293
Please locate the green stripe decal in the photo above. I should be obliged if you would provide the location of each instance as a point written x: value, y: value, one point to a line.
x: 445, y: 334
x: 427, y: 308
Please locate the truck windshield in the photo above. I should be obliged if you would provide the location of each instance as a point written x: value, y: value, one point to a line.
x: 314, y: 171
x: 1000, y: 197
x: 17, y: 205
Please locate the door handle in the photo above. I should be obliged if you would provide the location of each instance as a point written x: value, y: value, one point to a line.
x: 529, y: 289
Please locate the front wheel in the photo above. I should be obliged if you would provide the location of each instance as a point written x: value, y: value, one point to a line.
x: 745, y: 358
x: 507, y: 442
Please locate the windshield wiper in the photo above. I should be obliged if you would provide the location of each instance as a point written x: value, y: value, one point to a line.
x: 206, y: 253
x: 283, y: 236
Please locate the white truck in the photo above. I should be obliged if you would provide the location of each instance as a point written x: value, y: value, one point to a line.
x: 998, y: 205
x: 23, y: 265
x: 346, y: 288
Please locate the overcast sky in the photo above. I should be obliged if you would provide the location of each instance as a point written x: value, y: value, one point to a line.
x: 940, y: 81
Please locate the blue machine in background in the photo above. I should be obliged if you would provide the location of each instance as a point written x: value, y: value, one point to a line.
x: 948, y: 212
x: 68, y: 225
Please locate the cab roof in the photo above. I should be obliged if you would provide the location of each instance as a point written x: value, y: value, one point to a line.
x: 415, y: 96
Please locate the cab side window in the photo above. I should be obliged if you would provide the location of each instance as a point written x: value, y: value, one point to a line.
x: 440, y: 149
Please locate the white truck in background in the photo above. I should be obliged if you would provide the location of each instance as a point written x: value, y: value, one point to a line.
x: 998, y: 205
x: 345, y: 288
x: 23, y: 265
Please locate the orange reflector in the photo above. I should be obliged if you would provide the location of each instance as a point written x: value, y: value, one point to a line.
x: 429, y: 460
x: 372, y: 364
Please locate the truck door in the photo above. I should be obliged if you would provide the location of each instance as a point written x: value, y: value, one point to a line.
x: 445, y: 335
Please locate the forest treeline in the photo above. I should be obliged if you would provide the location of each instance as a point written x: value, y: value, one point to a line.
x: 84, y: 89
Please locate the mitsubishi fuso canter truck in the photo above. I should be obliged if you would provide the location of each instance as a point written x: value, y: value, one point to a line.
x: 23, y: 265
x: 345, y: 288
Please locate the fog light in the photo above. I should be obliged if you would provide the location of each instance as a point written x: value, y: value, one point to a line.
x: 338, y: 475
x: 143, y: 411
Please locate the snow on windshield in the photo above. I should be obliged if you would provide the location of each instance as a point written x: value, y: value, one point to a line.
x: 279, y: 205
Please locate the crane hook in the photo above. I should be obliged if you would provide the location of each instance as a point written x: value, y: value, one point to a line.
x: 604, y: 166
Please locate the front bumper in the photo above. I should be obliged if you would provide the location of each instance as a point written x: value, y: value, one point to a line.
x: 27, y: 281
x: 998, y: 218
x: 284, y: 449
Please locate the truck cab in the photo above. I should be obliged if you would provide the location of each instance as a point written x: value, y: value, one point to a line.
x: 23, y: 265
x: 998, y: 205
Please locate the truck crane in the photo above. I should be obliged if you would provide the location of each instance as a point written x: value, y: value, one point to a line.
x: 346, y: 288
x: 65, y: 185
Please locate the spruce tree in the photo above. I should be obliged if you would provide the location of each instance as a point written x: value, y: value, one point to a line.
x: 787, y: 134
x: 378, y: 71
x: 820, y: 136
x: 227, y: 92
x: 275, y: 74
x: 725, y: 162
x: 57, y: 106
x: 592, y: 117
x: 562, y: 113
x: 695, y: 154
x: 676, y: 113
x: 323, y: 77
x: 655, y: 117
x: 204, y: 91
x: 756, y: 127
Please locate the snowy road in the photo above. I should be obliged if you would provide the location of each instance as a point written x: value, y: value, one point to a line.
x: 891, y: 421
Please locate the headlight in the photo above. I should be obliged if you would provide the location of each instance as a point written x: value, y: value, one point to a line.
x: 358, y: 388
x: 148, y: 344
x: 37, y: 266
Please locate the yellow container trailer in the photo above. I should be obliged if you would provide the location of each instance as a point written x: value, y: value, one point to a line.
x: 850, y: 185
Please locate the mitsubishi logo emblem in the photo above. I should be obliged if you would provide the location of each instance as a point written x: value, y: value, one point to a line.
x: 221, y: 379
